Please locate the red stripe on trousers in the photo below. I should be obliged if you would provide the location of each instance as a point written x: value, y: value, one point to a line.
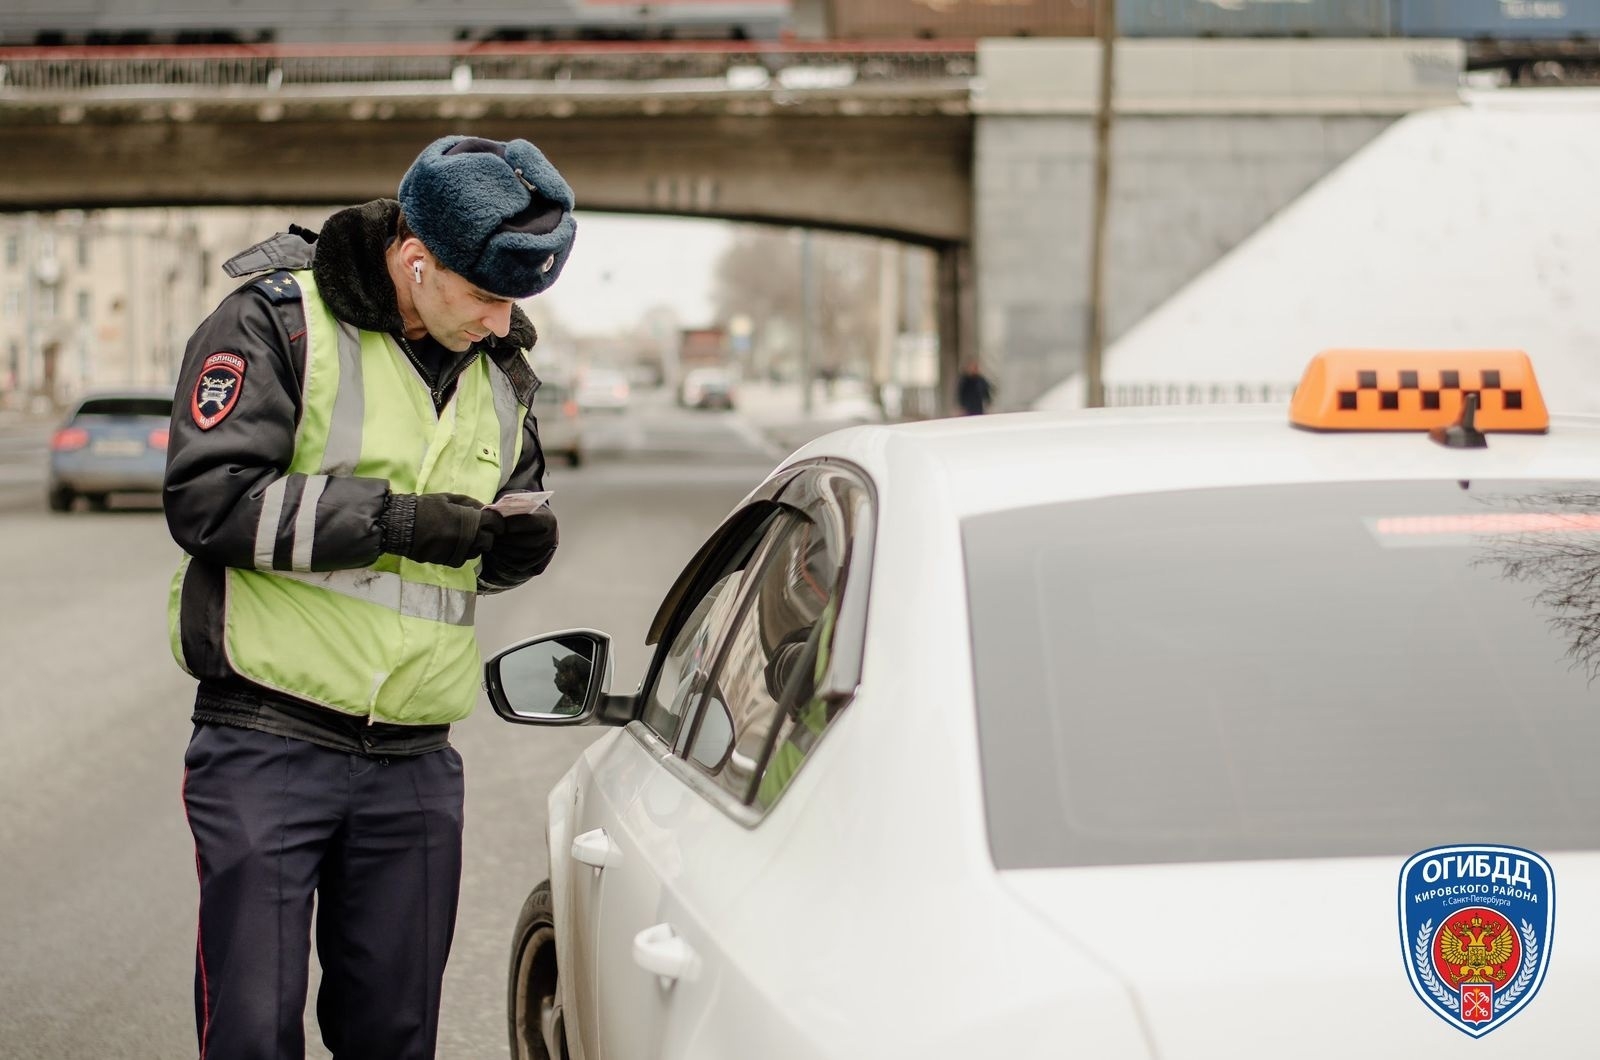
x: 199, y: 949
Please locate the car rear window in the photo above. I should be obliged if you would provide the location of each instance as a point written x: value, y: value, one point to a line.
x: 1289, y: 671
x: 126, y: 406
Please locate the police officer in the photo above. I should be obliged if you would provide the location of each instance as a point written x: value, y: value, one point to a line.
x: 342, y: 424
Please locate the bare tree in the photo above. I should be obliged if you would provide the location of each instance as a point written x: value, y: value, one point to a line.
x: 759, y: 277
x: 1562, y: 559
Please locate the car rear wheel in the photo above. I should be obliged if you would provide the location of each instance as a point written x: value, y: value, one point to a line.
x: 60, y: 499
x: 574, y: 457
x: 533, y: 1006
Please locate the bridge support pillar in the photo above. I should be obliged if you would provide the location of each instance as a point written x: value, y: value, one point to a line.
x: 957, y: 319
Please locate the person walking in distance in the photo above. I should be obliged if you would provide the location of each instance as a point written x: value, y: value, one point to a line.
x: 353, y: 426
x: 973, y: 390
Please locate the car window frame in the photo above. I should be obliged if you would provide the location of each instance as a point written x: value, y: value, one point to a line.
x: 843, y: 675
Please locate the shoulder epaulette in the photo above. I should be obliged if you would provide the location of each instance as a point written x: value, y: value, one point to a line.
x: 280, y: 287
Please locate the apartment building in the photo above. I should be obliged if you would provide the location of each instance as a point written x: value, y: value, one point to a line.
x: 106, y: 299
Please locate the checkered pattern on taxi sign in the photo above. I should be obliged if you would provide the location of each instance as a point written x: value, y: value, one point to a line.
x: 1440, y: 381
x: 1417, y: 390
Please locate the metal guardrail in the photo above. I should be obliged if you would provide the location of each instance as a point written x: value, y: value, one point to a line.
x: 740, y: 65
x: 1130, y: 395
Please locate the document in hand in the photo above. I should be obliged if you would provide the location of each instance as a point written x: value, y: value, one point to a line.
x: 519, y: 502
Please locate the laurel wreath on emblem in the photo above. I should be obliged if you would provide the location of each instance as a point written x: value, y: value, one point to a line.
x: 1424, y: 965
x: 1530, y: 960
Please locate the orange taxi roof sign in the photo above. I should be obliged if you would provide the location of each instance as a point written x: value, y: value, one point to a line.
x: 1417, y: 390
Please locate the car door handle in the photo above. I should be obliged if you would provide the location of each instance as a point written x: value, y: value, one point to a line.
x: 594, y: 848
x: 657, y: 949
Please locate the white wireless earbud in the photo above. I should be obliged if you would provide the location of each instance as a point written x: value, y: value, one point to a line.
x: 416, y: 270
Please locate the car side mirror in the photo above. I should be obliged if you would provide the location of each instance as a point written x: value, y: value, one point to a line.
x: 556, y: 679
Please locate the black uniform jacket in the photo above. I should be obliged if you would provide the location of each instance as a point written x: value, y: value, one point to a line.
x: 217, y: 475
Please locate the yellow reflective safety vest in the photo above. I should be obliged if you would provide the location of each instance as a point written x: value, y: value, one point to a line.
x: 395, y: 641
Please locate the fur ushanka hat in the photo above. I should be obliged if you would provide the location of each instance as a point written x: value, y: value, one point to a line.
x: 497, y: 213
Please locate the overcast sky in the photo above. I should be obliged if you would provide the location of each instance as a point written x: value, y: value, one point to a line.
x: 623, y: 264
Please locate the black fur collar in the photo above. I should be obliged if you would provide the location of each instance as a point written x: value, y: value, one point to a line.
x: 354, y: 281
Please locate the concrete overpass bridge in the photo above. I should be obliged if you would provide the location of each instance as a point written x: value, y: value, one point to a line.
x: 981, y: 151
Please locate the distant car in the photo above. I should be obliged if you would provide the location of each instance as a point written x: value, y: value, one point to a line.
x: 560, y: 422
x: 646, y: 375
x: 603, y: 390
x: 1107, y: 734
x: 708, y: 388
x: 111, y: 443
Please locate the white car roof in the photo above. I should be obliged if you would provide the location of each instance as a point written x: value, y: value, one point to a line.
x: 994, y: 463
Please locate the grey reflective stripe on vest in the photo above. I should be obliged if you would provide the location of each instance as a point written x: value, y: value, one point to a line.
x: 454, y: 607
x: 305, y: 522
x: 267, y: 527
x: 302, y: 527
x: 343, y: 448
x: 505, y: 410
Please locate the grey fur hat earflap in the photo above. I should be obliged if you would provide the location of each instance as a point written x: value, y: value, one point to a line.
x: 496, y: 212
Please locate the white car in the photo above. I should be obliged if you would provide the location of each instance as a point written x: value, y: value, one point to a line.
x: 1147, y: 733
x: 603, y: 390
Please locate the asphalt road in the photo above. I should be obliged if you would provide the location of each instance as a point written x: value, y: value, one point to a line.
x: 97, y: 875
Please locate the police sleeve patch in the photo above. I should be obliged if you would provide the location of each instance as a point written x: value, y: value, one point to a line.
x: 217, y: 389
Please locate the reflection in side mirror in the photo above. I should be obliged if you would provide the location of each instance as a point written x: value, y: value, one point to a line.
x: 554, y: 680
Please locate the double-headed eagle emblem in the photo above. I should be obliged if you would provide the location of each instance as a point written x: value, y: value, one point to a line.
x: 1467, y: 946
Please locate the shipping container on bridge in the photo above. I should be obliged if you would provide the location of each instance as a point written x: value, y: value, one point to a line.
x: 121, y: 22
x: 1535, y: 25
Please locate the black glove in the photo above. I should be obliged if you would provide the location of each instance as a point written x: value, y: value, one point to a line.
x: 525, y: 546
x: 443, y: 528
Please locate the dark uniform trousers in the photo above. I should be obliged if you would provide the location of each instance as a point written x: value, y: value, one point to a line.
x: 377, y: 841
